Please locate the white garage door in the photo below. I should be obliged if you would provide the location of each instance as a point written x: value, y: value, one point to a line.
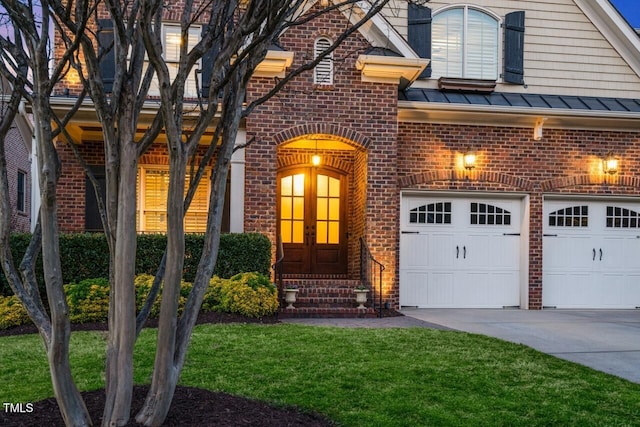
x: 459, y: 252
x: 591, y: 254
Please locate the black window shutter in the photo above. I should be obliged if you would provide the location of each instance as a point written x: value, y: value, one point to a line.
x: 207, y: 66
x: 92, y: 220
x: 514, y: 48
x: 107, y: 53
x: 419, y: 33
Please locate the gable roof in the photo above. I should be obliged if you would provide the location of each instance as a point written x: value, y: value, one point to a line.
x: 615, y: 29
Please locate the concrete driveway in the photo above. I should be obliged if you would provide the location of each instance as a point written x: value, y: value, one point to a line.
x: 606, y: 340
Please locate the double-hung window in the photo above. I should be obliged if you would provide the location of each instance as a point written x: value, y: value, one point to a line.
x: 465, y: 44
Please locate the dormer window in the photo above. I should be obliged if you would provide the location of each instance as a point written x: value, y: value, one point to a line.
x: 323, y: 73
x: 465, y: 44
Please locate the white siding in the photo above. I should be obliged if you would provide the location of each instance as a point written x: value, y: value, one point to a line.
x: 564, y: 52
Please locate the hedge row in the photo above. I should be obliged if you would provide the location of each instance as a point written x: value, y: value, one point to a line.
x: 86, y: 256
x: 248, y: 294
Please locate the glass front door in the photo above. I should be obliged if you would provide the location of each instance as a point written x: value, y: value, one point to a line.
x: 312, y: 221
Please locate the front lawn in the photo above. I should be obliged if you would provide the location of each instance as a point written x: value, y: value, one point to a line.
x: 359, y: 377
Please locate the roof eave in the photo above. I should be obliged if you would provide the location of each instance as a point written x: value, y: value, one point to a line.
x: 433, y: 112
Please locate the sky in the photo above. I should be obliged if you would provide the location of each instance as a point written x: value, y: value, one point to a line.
x: 630, y: 9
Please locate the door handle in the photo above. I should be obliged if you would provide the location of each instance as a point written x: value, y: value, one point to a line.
x: 594, y: 254
x: 600, y: 254
x: 457, y: 251
x: 464, y: 252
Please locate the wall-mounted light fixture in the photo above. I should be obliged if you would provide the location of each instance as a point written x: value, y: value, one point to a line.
x: 469, y: 159
x: 316, y: 159
x: 610, y: 164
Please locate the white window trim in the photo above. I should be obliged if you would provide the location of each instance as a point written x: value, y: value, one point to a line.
x: 500, y: 40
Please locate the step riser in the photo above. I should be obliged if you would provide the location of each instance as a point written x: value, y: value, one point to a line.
x: 315, y: 312
x: 318, y: 298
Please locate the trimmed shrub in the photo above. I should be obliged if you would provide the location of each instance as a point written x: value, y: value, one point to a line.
x: 12, y: 313
x: 248, y: 294
x: 88, y: 300
x: 143, y: 283
x: 85, y: 256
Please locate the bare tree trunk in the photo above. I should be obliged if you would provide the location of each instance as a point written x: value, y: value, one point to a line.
x: 122, y: 313
x: 165, y: 374
x: 72, y: 407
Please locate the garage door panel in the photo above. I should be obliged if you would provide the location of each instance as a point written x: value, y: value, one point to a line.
x: 592, y: 263
x: 617, y: 252
x: 566, y: 290
x: 411, y: 287
x: 573, y: 252
x: 441, y: 251
x: 415, y: 247
x: 440, y: 290
x: 470, y: 253
x: 412, y: 284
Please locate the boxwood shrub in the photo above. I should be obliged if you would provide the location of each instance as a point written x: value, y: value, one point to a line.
x: 85, y: 256
x: 248, y: 294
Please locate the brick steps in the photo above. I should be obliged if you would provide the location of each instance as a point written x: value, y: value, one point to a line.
x: 326, y: 298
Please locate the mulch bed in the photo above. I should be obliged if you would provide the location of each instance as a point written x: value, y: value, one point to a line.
x: 190, y: 406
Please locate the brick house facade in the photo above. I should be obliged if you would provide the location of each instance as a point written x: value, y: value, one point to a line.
x: 18, y: 155
x: 503, y: 232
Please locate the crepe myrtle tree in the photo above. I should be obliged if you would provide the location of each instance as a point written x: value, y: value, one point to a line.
x: 28, y: 74
x: 237, y: 36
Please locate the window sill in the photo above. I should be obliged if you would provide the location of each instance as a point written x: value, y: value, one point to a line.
x: 452, y: 84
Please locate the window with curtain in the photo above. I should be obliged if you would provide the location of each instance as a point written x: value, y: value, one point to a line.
x: 152, y: 186
x: 465, y: 44
x: 323, y: 73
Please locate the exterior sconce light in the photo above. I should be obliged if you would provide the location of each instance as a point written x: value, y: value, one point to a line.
x: 316, y: 159
x: 610, y: 164
x: 469, y: 159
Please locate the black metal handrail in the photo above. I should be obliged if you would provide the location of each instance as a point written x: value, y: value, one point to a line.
x: 277, y: 268
x: 371, y: 274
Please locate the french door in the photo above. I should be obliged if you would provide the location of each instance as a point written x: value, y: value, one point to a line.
x: 312, y: 220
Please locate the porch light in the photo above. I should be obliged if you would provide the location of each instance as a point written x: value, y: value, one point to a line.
x: 469, y: 159
x: 610, y: 164
x: 316, y: 159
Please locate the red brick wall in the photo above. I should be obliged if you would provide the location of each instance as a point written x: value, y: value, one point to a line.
x: 18, y: 160
x: 363, y: 114
x: 564, y: 161
x: 71, y: 187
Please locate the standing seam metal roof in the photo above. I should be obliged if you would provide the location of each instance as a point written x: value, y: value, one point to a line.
x: 564, y: 102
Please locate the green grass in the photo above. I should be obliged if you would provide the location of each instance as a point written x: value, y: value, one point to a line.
x: 360, y: 377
